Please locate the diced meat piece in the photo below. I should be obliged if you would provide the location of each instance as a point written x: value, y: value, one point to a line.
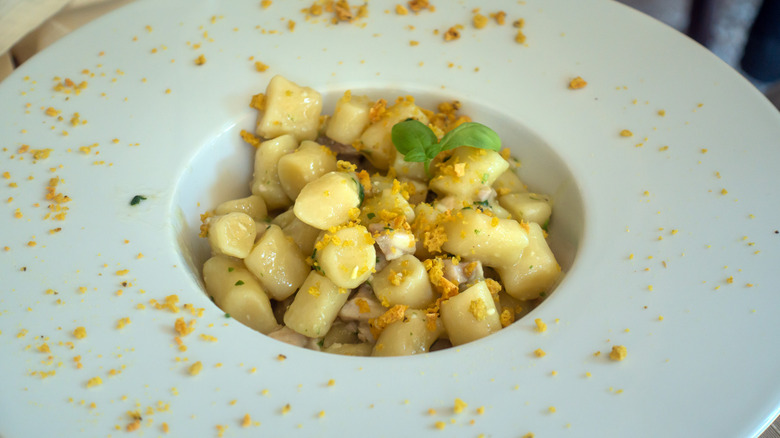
x: 485, y: 193
x: 364, y: 332
x: 289, y: 336
x: 446, y: 203
x: 463, y: 272
x: 362, y: 306
x: 395, y: 243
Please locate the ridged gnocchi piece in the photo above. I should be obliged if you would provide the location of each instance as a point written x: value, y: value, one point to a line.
x: 470, y: 315
x: 350, y: 118
x: 232, y: 234
x: 278, y: 263
x: 411, y: 335
x: 528, y: 207
x: 467, y: 173
x: 316, y: 306
x: 310, y: 161
x: 289, y: 109
x: 346, y: 256
x: 329, y: 200
x: 252, y: 205
x: 265, y: 180
x: 474, y: 235
x: 404, y: 281
x: 537, y: 271
x: 376, y: 143
x: 237, y: 292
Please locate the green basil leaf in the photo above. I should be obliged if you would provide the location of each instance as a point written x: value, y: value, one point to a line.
x: 412, y: 135
x: 471, y: 134
x: 415, y: 156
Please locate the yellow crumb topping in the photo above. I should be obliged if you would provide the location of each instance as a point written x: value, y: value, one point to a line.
x: 258, y: 102
x: 80, y: 333
x: 540, y: 325
x: 196, y: 368
x: 540, y: 353
x: 250, y: 138
x: 452, y: 34
x: 618, y: 352
x: 95, y: 381
x: 479, y: 21
x: 459, y: 406
x: 577, y: 83
x: 478, y: 309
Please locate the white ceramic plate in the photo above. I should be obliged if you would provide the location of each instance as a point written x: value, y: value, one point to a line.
x: 669, y: 237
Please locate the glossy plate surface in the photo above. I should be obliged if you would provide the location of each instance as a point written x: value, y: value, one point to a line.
x: 670, y: 235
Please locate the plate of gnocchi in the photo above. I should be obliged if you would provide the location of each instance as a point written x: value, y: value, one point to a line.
x: 414, y: 218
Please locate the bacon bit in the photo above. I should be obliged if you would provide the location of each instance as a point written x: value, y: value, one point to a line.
x: 577, y: 83
x: 377, y: 110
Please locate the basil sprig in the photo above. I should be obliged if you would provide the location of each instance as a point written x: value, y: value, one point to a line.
x: 418, y: 143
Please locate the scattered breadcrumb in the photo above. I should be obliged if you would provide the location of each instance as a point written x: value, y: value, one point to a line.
x: 618, y: 352
x: 577, y: 83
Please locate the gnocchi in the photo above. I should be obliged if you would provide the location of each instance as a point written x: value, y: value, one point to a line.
x: 347, y: 245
